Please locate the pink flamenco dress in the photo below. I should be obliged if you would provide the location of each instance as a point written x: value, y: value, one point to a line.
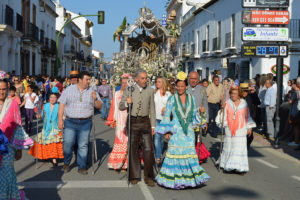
x: 116, y: 118
x: 13, y: 137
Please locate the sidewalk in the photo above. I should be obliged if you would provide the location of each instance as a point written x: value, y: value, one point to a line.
x: 283, y: 146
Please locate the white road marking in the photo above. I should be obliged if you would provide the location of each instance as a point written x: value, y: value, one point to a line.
x: 72, y: 184
x: 266, y: 163
x: 145, y: 190
x: 296, y: 177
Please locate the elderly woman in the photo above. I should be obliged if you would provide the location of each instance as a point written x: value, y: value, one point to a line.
x: 116, y: 118
x: 238, y: 124
x: 15, y: 139
x: 181, y: 168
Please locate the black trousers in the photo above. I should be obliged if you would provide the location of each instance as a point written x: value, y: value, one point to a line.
x: 140, y: 132
x: 213, y: 109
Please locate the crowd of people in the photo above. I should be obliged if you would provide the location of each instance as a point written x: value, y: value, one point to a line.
x: 167, y: 120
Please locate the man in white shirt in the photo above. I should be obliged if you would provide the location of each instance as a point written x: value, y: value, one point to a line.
x: 270, y: 102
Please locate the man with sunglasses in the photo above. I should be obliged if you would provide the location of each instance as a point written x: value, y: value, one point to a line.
x: 77, y: 102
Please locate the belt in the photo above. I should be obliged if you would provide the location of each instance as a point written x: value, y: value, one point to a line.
x: 81, y: 119
x: 139, y: 117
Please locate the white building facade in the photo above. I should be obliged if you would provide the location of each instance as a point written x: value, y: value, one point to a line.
x: 10, y: 35
x: 211, y: 41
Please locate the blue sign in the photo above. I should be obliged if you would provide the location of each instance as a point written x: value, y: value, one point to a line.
x: 164, y: 20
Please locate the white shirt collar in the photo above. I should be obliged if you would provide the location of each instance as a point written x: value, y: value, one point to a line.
x: 140, y: 89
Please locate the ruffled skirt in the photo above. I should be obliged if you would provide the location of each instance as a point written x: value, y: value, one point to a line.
x: 181, y: 171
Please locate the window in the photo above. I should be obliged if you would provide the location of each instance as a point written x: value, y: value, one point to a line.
x: 232, y: 30
x: 207, y: 38
x: 198, y: 42
x: 34, y: 14
x: 207, y: 73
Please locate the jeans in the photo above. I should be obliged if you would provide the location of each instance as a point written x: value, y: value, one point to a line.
x: 158, y: 143
x: 105, y: 107
x: 213, y: 109
x: 270, y: 112
x: 76, y: 130
x: 28, y: 119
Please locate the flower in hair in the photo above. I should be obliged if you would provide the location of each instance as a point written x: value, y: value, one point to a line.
x: 127, y: 75
x: 181, y: 76
x: 2, y: 75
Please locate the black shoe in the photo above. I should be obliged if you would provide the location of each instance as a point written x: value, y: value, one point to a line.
x: 83, y: 171
x: 66, y: 168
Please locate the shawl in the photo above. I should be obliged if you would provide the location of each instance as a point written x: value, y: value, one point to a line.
x: 50, y: 119
x: 8, y: 130
x: 184, y: 117
x: 237, y: 118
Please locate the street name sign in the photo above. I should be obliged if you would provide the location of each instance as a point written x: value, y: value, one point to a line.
x: 265, y: 50
x: 275, y: 34
x: 266, y: 3
x: 266, y: 17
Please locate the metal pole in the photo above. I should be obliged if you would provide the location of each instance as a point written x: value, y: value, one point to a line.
x: 279, y: 75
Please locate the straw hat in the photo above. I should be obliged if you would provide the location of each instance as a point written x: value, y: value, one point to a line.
x: 74, y: 74
x: 245, y: 86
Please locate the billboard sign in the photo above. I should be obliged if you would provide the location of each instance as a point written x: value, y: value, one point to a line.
x: 265, y: 3
x: 266, y: 17
x: 265, y: 34
x: 265, y: 50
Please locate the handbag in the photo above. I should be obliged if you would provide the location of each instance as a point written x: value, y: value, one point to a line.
x: 3, y: 143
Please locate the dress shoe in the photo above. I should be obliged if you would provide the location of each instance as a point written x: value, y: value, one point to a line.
x: 149, y: 182
x: 82, y: 171
x: 66, y: 168
x: 134, y: 181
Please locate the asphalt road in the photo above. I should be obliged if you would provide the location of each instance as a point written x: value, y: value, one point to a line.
x: 273, y: 176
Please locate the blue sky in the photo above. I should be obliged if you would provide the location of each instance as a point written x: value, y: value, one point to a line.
x: 115, y: 11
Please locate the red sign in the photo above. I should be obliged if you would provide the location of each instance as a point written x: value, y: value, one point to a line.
x: 266, y: 17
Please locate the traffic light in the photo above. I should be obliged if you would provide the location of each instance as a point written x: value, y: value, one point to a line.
x: 101, y: 15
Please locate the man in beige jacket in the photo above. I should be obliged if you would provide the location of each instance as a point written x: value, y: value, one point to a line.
x: 142, y: 124
x: 215, y: 93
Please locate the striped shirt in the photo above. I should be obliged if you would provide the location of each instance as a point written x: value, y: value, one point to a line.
x: 78, y: 104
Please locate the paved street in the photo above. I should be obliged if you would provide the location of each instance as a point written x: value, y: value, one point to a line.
x: 273, y: 175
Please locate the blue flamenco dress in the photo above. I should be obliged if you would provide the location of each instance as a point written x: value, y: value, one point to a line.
x: 181, y: 168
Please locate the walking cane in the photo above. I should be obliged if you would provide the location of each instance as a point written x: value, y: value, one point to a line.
x: 222, y: 133
x: 130, y: 88
x: 94, y: 144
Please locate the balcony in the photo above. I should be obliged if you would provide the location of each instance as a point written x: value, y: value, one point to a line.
x: 9, y: 16
x: 217, y: 45
x: 88, y: 59
x: 69, y: 50
x: 31, y: 32
x: 80, y: 56
x: 45, y: 45
x: 52, y: 49
x: 19, y: 26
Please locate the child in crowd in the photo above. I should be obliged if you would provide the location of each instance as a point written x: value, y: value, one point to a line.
x: 30, y: 99
x: 13, y: 95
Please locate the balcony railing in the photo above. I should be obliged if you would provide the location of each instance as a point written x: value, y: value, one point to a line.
x: 9, y: 16
x: 80, y: 56
x: 216, y: 44
x: 88, y: 59
x: 42, y: 36
x: 31, y: 31
x: 89, y: 39
x: 19, y: 26
x: 228, y: 42
x: 73, y: 49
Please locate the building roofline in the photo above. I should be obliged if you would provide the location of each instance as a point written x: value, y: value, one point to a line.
x: 205, y: 6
